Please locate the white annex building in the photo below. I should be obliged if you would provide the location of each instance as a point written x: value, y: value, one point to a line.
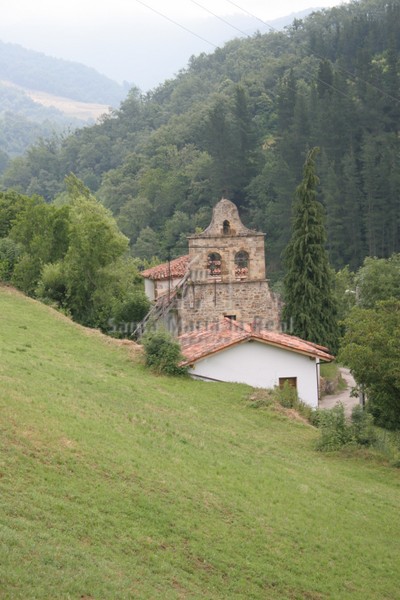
x: 233, y: 352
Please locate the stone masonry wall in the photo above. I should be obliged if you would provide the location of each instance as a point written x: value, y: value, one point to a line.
x: 218, y: 285
x: 227, y: 247
x: 248, y: 301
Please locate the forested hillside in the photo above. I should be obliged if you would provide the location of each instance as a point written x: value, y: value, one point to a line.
x: 23, y: 122
x: 241, y: 120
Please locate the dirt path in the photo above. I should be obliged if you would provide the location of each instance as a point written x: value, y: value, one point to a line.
x: 344, y: 397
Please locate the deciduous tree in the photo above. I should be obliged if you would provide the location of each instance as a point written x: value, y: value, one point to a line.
x: 378, y: 279
x: 371, y: 348
x: 94, y: 244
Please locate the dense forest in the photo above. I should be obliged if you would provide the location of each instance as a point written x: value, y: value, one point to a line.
x: 240, y: 122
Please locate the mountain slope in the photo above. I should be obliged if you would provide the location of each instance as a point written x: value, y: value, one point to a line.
x: 27, y: 116
x: 47, y: 105
x: 239, y: 122
x: 41, y: 95
x: 35, y: 70
x: 119, y: 484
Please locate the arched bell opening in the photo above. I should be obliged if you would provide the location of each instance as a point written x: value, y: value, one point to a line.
x: 241, y: 265
x: 214, y: 264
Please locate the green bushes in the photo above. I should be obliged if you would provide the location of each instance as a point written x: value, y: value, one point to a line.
x: 288, y: 398
x: 163, y: 353
x: 9, y: 254
x: 336, y: 432
x: 363, y: 426
x: 360, y: 432
x: 52, y: 287
x: 72, y: 257
x: 387, y: 444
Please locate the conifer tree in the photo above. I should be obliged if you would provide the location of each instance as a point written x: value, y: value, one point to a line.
x: 310, y: 306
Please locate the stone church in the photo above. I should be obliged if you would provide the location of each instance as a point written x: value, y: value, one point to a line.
x: 222, y: 276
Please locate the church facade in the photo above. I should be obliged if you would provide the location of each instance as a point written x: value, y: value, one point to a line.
x: 223, y: 275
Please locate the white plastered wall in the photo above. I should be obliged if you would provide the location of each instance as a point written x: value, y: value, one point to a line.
x: 261, y: 365
x: 149, y: 289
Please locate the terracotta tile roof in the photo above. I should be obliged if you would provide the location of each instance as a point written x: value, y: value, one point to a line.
x: 175, y: 268
x: 225, y: 333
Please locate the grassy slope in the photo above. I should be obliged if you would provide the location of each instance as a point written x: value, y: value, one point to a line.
x: 119, y: 484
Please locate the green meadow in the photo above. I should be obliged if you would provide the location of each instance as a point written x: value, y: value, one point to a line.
x: 117, y: 484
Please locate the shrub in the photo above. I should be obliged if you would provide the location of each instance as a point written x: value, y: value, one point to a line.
x: 315, y: 417
x: 163, y: 353
x: 387, y: 443
x: 288, y: 398
x: 362, y: 426
x: 52, y: 287
x: 132, y: 308
x: 334, y: 431
x: 287, y: 395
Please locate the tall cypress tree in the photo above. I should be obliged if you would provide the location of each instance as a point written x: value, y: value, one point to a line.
x: 310, y: 306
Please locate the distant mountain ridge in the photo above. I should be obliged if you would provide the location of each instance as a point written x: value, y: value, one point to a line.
x: 41, y: 96
x: 35, y: 70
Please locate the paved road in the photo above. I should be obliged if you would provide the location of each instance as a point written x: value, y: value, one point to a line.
x: 344, y: 397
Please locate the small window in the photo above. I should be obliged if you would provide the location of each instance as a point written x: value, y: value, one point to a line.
x: 241, y: 265
x: 231, y: 317
x: 226, y: 228
x: 214, y: 264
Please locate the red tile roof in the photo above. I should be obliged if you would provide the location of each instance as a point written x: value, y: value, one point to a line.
x: 225, y: 333
x: 175, y: 268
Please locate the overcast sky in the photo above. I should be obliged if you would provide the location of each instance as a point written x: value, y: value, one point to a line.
x: 125, y: 39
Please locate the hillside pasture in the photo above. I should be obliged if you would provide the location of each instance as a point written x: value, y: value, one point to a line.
x: 116, y: 483
x: 84, y: 111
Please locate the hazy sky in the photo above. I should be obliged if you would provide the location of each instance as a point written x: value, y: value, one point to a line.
x: 125, y: 39
x: 18, y: 11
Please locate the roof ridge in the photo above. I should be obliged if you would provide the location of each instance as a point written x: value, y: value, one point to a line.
x: 197, y: 344
x: 176, y: 267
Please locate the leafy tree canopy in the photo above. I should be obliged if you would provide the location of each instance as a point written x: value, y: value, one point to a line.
x: 72, y: 255
x: 378, y: 279
x: 371, y: 348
